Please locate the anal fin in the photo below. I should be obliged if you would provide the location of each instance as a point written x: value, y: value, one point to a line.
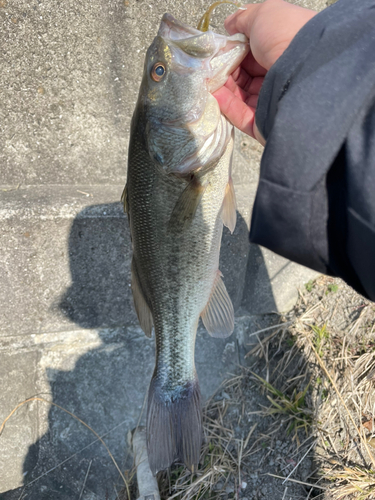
x: 141, y: 307
x: 218, y: 315
x: 186, y: 206
x: 228, y: 211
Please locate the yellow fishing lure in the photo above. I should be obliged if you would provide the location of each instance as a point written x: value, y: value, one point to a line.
x: 205, y: 20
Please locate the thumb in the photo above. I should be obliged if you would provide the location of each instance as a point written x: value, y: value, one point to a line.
x: 242, y: 20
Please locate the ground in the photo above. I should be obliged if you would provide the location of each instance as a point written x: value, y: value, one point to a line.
x: 296, y: 421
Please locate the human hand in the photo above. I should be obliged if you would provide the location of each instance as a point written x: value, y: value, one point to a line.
x: 270, y: 27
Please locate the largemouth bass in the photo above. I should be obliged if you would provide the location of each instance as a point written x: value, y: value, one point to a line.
x: 178, y: 194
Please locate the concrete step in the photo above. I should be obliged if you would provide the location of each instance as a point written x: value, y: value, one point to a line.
x: 67, y: 254
x: 66, y: 259
x: 102, y: 377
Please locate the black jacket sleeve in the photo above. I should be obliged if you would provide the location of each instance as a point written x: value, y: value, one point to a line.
x: 315, y: 202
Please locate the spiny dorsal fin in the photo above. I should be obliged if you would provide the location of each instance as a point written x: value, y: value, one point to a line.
x: 186, y: 206
x: 218, y: 315
x: 228, y: 211
x: 141, y: 307
x: 124, y: 199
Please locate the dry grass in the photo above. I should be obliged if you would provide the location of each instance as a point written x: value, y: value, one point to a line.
x: 316, y: 372
x: 352, y: 481
x: 334, y: 334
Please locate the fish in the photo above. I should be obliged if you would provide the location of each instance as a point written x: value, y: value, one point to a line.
x: 179, y: 193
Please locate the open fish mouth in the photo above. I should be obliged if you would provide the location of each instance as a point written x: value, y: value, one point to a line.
x: 172, y: 29
x: 218, y: 55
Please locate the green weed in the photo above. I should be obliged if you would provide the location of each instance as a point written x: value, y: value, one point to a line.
x: 332, y: 288
x: 294, y: 407
x: 320, y: 336
x: 291, y: 341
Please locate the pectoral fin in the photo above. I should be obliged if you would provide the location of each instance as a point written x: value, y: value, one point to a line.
x: 186, y: 206
x: 228, y: 212
x: 141, y: 307
x: 218, y: 315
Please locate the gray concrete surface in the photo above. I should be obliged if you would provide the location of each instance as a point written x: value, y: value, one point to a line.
x: 102, y: 377
x: 66, y: 259
x: 70, y: 74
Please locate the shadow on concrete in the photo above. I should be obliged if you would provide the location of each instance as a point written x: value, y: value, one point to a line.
x: 100, y: 258
x: 257, y: 292
x: 108, y: 384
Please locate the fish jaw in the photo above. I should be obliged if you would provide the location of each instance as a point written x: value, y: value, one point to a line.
x: 220, y: 54
x: 196, y: 63
x: 227, y: 59
x: 172, y: 29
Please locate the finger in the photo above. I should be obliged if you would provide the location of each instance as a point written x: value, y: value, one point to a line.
x: 237, y: 90
x: 250, y: 65
x: 241, y: 21
x: 245, y: 82
x: 255, y: 85
x: 258, y: 136
x: 241, y: 115
x: 236, y: 73
x: 231, y: 84
x: 252, y: 101
x: 242, y: 79
x: 245, y: 88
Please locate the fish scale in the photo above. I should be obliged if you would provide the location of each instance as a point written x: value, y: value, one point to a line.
x: 176, y: 207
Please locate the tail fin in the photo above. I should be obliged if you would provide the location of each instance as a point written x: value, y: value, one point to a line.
x: 174, y: 427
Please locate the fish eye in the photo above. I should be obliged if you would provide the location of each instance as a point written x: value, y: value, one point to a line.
x: 158, y: 72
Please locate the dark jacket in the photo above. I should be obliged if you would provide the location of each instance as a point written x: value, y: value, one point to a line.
x: 315, y: 202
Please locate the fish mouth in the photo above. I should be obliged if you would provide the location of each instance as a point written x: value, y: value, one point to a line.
x: 217, y: 54
x: 172, y: 29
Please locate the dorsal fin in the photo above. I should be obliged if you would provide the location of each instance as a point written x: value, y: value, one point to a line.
x: 218, y: 315
x: 141, y: 307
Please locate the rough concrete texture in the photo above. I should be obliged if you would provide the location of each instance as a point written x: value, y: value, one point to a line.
x: 66, y: 259
x: 70, y: 73
x: 67, y: 263
x: 102, y: 377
